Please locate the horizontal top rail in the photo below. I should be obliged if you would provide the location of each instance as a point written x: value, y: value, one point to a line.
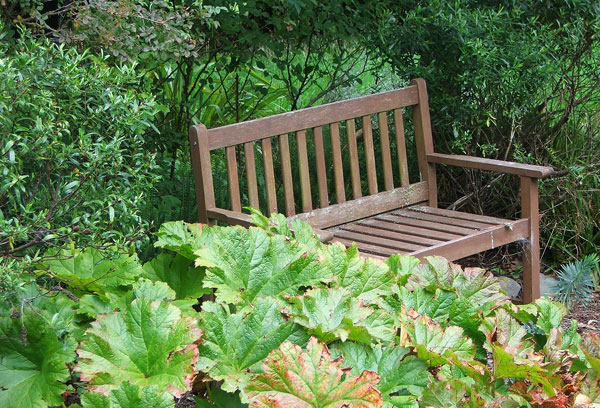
x: 285, y: 123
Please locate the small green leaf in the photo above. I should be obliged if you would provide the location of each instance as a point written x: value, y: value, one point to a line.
x: 179, y: 273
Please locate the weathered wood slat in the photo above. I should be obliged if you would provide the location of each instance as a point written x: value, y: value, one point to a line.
x: 425, y: 224
x: 311, y: 117
x: 369, y: 249
x: 321, y: 168
x: 363, y: 207
x: 338, y: 166
x: 267, y: 152
x: 353, y: 153
x: 401, y: 147
x: 415, y: 231
x: 378, y: 241
x: 424, y: 140
x: 304, y: 172
x: 500, y: 166
x: 232, y: 178
x: 286, y: 173
x: 461, y: 215
x: 531, y: 258
x: 394, y: 235
x: 480, y: 241
x: 205, y: 192
x: 369, y: 154
x: 386, y: 155
x: 251, y: 175
x: 441, y: 219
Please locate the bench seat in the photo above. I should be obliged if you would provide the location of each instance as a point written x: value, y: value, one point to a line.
x: 423, y: 231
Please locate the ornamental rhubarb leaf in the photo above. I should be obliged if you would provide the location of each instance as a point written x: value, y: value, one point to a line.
x: 397, y: 371
x: 179, y: 273
x: 129, y: 396
x: 431, y: 340
x: 332, y: 314
x: 294, y: 378
x: 91, y: 270
x: 32, y: 373
x: 182, y: 238
x: 245, y: 264
x: 366, y: 278
x: 147, y: 343
x: 232, y: 343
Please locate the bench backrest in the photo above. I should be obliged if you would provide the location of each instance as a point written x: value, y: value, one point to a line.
x: 291, y: 171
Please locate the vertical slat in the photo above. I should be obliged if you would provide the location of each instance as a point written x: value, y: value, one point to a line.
x: 304, y: 174
x: 251, y: 175
x: 386, y: 155
x: 338, y: 167
x: 369, y: 154
x: 199, y: 150
x: 401, y: 147
x: 424, y: 140
x: 531, y: 259
x: 232, y: 177
x: 286, y: 172
x: 353, y: 151
x: 321, y: 170
x: 267, y: 152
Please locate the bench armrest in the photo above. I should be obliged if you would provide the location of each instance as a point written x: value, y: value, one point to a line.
x: 236, y: 218
x: 501, y: 166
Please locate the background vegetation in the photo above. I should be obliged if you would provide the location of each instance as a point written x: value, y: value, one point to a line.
x: 96, y: 97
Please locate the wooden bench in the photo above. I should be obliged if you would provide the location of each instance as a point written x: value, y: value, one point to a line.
x: 384, y: 212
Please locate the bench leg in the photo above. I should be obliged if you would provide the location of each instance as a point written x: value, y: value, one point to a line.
x: 531, y: 255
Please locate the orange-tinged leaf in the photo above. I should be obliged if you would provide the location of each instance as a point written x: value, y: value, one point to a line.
x: 305, y: 379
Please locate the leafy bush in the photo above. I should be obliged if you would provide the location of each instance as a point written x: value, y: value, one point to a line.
x: 73, y: 159
x: 292, y: 322
x: 578, y: 280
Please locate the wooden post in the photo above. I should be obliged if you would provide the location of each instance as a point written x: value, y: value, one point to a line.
x: 424, y: 140
x: 531, y: 255
x: 200, y: 154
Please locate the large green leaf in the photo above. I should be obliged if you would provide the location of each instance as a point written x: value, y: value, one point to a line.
x: 431, y: 340
x: 232, y: 343
x: 433, y: 304
x: 550, y: 314
x: 129, y: 396
x: 365, y: 278
x: 182, y: 238
x: 179, y: 273
x: 331, y: 314
x: 293, y: 378
x: 245, y: 264
x: 147, y: 342
x: 397, y: 371
x: 505, y: 366
x: 92, y: 270
x: 33, y: 362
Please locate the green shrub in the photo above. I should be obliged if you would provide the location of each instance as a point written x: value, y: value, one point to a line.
x: 73, y: 161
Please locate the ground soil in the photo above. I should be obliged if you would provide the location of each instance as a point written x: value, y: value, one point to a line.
x: 587, y: 317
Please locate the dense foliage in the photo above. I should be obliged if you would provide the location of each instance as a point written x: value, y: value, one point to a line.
x: 292, y: 322
x: 73, y: 158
